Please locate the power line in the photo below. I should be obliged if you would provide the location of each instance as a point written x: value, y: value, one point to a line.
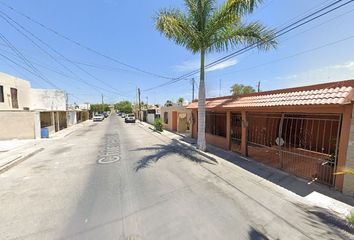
x: 293, y: 55
x: 84, y: 46
x: 6, y: 17
x: 305, y: 20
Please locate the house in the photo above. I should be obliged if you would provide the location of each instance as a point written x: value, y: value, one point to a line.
x: 52, y: 105
x: 24, y: 111
x: 16, y: 119
x: 176, y: 118
x: 305, y: 131
x: 151, y: 114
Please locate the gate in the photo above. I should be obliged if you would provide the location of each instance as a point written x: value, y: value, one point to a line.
x: 236, y: 132
x: 305, y: 145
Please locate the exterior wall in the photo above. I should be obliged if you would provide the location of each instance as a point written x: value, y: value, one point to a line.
x: 348, y: 183
x: 218, y: 141
x: 71, y: 118
x: 48, y: 100
x: 23, y: 92
x: 345, y: 151
x: 18, y: 125
x: 150, y: 118
x: 181, y: 122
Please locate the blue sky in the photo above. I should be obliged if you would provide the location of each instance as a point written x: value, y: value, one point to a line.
x: 125, y: 31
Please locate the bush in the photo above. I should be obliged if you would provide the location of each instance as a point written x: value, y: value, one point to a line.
x: 158, y: 124
x: 351, y: 219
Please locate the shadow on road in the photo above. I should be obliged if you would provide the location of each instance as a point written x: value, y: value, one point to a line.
x: 163, y: 150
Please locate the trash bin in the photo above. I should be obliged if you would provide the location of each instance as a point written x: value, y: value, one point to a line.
x: 44, y: 133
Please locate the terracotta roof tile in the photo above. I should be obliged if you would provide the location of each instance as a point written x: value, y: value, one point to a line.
x: 339, y: 94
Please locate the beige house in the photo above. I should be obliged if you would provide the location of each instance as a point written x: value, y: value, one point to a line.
x: 176, y: 118
x: 24, y: 111
x: 15, y: 93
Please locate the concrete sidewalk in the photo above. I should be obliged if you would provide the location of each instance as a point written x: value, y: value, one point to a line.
x: 15, y: 151
x: 291, y: 187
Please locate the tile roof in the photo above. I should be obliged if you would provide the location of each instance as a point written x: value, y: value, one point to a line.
x: 335, y: 93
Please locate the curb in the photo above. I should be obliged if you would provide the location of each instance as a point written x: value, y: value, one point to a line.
x: 18, y: 159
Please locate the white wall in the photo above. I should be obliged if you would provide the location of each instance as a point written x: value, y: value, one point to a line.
x: 23, y: 92
x: 48, y: 99
x: 150, y: 118
x: 71, y: 118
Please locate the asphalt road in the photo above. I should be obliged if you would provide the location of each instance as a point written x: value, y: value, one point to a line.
x: 112, y: 180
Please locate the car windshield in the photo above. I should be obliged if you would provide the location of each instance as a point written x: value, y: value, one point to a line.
x: 130, y: 115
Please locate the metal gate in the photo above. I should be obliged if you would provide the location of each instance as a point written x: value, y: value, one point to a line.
x: 236, y: 132
x: 305, y: 145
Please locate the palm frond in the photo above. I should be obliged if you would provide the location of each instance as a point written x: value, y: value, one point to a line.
x: 176, y: 26
x: 243, y: 34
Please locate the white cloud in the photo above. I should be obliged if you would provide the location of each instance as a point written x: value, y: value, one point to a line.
x: 346, y: 66
x: 192, y: 65
x: 293, y: 76
x: 337, y: 72
x: 187, y: 66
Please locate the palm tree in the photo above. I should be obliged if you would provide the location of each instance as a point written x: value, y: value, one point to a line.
x: 205, y: 28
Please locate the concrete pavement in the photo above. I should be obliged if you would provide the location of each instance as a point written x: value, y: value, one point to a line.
x: 112, y: 180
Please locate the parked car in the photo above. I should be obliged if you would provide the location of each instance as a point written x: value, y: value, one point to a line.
x: 123, y: 115
x: 98, y: 118
x: 130, y: 118
x: 105, y: 114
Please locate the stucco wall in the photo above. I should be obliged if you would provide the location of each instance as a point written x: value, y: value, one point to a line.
x: 23, y: 92
x: 181, y: 123
x: 218, y: 141
x: 150, y: 118
x: 48, y: 99
x: 17, y: 124
x: 348, y: 184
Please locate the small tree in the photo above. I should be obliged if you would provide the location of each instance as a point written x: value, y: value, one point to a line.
x: 124, y: 106
x: 180, y: 101
x: 239, y: 89
x: 168, y: 103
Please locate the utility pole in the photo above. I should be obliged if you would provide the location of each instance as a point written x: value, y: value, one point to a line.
x: 193, y: 81
x: 102, y: 97
x: 147, y: 101
x: 259, y: 86
x: 139, y: 104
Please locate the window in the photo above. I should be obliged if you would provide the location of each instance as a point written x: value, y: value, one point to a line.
x: 165, y: 117
x: 215, y: 123
x: 14, y: 99
x: 1, y: 93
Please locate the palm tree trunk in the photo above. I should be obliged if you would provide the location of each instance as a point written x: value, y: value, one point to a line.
x: 201, y: 105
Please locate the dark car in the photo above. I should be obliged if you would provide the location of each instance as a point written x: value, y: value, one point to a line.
x: 105, y: 114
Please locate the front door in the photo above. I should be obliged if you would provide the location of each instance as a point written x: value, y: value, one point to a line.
x: 174, y: 121
x: 14, y: 99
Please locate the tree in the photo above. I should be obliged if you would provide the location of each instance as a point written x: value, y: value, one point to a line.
x: 239, y: 89
x: 206, y: 28
x: 100, y: 108
x: 168, y: 103
x: 180, y: 101
x: 124, y: 106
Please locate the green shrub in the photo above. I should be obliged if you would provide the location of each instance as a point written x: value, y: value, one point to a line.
x: 351, y: 219
x: 158, y: 124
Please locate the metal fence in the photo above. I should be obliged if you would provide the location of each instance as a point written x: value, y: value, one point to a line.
x: 305, y: 145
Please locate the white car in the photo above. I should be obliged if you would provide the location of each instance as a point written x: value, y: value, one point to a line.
x: 98, y: 118
x: 130, y: 118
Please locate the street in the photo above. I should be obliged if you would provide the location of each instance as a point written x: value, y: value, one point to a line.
x: 112, y: 180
